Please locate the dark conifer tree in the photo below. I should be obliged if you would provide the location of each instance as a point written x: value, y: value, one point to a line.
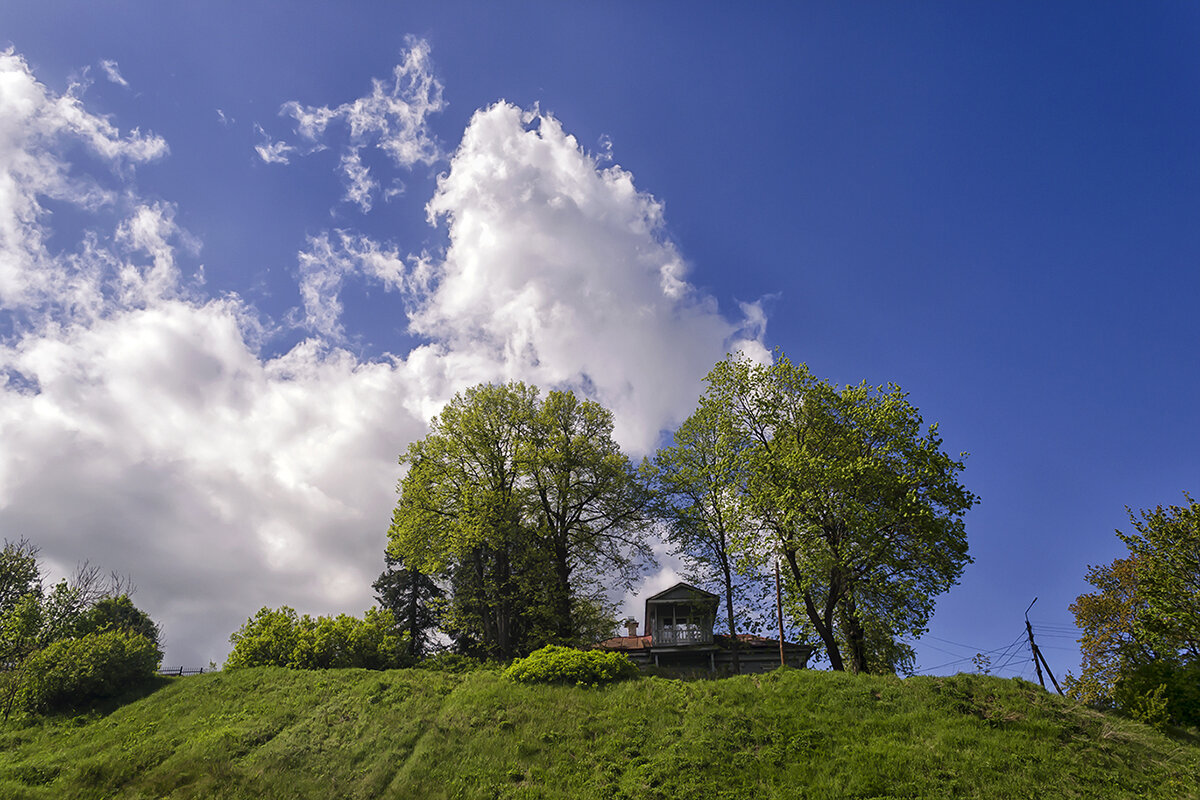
x: 414, y: 599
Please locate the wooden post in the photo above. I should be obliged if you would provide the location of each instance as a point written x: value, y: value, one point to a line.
x: 1038, y: 652
x: 1033, y: 647
x: 779, y: 609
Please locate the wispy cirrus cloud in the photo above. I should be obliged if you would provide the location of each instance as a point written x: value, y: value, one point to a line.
x: 113, y: 72
x: 391, y: 119
x: 270, y: 151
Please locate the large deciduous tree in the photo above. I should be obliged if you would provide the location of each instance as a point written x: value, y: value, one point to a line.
x: 852, y: 492
x: 704, y: 505
x: 1166, y: 547
x: 509, y: 497
x: 586, y: 504
x: 1140, y: 631
x: 460, y: 514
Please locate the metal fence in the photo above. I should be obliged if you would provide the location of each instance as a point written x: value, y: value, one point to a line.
x: 181, y: 671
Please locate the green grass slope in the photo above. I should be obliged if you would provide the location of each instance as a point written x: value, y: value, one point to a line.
x: 273, y: 733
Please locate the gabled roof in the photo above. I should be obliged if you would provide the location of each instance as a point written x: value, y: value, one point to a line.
x: 682, y: 591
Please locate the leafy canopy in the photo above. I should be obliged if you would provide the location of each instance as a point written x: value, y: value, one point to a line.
x: 1140, y: 629
x: 280, y: 638
x: 522, y: 503
x: 850, y: 489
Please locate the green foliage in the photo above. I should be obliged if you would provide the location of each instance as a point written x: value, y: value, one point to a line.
x: 267, y: 639
x: 1140, y: 636
x: 1108, y: 620
x: 1166, y: 547
x: 1164, y: 684
x: 519, y: 503
x: 118, y: 614
x: 42, y: 632
x: 20, y: 574
x: 567, y: 665
x: 416, y: 601
x: 1149, y: 707
x: 20, y: 629
x: 851, y: 491
x: 279, y: 638
x: 76, y: 672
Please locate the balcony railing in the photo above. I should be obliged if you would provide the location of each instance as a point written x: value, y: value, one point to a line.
x: 675, y: 637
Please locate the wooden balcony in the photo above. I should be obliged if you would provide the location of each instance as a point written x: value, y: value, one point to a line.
x: 681, y: 637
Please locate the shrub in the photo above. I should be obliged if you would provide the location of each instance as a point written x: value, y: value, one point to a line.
x: 266, y: 640
x: 556, y: 664
x: 1160, y: 692
x: 279, y: 638
x: 118, y: 614
x: 372, y: 642
x: 74, y: 672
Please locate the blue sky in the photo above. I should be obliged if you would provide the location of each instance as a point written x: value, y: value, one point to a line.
x: 213, y: 357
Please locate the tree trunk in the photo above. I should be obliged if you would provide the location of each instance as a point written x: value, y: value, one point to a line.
x: 855, y: 636
x: 733, y: 640
x: 822, y: 623
x: 562, y: 593
x: 503, y: 606
x: 825, y: 631
x: 414, y: 627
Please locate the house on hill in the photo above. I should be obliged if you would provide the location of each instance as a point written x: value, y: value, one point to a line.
x: 679, y: 634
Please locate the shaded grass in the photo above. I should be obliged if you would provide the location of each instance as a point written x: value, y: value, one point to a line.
x: 267, y: 733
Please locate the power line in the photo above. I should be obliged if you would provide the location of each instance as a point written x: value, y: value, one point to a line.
x: 1003, y: 648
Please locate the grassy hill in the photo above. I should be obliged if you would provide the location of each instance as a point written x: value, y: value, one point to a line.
x: 274, y: 733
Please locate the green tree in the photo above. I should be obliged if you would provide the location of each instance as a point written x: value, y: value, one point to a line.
x: 1108, y: 620
x: 34, y: 622
x: 510, y: 498
x: 74, y: 672
x: 267, y: 639
x: 1165, y: 545
x: 703, y: 503
x: 854, y: 494
x: 119, y: 614
x: 460, y: 514
x: 1140, y: 629
x: 588, y: 505
x: 20, y: 574
x: 415, y: 600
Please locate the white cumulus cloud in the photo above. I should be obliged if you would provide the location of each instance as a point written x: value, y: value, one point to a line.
x: 561, y: 271
x: 35, y: 126
x: 144, y: 429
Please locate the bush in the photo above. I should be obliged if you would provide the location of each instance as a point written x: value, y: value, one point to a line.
x: 279, y: 638
x: 1160, y: 692
x: 266, y: 640
x: 118, y: 614
x: 75, y: 672
x: 556, y: 664
x: 372, y: 642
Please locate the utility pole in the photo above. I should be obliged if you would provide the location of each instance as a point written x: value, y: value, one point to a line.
x: 779, y: 610
x: 1037, y: 654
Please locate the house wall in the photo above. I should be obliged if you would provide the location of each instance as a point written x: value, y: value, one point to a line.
x: 751, y: 660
